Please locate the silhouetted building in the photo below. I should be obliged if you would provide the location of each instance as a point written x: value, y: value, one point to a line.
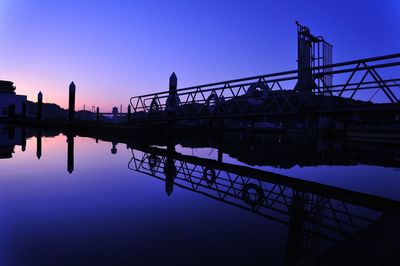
x: 9, y: 97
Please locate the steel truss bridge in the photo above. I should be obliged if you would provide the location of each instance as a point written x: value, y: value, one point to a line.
x: 309, y: 209
x: 359, y: 87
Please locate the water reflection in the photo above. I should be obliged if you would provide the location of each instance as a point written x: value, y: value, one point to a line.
x: 312, y: 211
x: 315, y: 214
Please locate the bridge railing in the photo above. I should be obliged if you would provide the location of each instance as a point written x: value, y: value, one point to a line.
x: 359, y: 82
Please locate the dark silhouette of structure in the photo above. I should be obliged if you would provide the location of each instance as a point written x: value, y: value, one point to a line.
x: 8, y: 97
x: 71, y: 106
x: 40, y: 106
x: 306, y: 97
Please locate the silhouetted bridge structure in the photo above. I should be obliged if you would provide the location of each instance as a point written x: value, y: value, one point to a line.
x: 316, y: 89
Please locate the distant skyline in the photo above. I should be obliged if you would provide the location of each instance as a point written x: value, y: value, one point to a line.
x: 113, y: 50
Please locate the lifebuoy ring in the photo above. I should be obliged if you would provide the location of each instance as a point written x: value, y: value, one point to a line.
x: 212, y: 102
x: 249, y: 200
x: 209, y: 176
x: 154, y: 106
x: 153, y: 161
x: 257, y: 97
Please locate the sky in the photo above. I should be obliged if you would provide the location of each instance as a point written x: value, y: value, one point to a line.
x: 114, y: 50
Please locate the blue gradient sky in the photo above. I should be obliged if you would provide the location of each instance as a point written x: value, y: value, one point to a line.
x: 116, y: 49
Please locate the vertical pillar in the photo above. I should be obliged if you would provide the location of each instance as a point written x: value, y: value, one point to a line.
x: 40, y: 106
x: 129, y: 112
x: 97, y: 114
x: 71, y: 106
x: 173, y: 83
x: 70, y: 151
x: 173, y: 101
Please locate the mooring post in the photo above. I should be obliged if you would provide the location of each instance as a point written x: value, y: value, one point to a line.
x: 71, y: 107
x: 11, y: 111
x: 97, y: 113
x: 40, y: 106
x: 173, y: 100
x: 24, y: 110
x: 129, y: 112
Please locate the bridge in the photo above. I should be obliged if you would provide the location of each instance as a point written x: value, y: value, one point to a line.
x: 365, y: 88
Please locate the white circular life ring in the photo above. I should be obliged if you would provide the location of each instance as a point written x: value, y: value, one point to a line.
x: 212, y: 102
x: 154, y: 106
x: 254, y: 97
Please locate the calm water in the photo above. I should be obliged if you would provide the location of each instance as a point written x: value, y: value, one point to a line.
x: 168, y: 205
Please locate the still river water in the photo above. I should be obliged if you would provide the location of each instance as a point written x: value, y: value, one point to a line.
x: 179, y: 205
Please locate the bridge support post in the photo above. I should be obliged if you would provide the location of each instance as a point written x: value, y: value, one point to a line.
x: 71, y: 107
x: 39, y: 115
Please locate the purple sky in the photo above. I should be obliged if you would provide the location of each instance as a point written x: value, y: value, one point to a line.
x: 113, y: 50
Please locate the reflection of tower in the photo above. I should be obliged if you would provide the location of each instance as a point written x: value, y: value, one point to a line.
x: 295, y: 245
x: 38, y: 144
x: 70, y: 160
x: 169, y: 170
x: 114, y: 147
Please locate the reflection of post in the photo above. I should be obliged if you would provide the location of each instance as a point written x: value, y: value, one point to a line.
x: 114, y: 147
x: 295, y: 245
x: 70, y: 160
x: 23, y: 139
x: 170, y: 170
x: 38, y: 144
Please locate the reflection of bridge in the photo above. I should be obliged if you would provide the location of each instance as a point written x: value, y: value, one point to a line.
x: 309, y: 209
x: 316, y: 88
